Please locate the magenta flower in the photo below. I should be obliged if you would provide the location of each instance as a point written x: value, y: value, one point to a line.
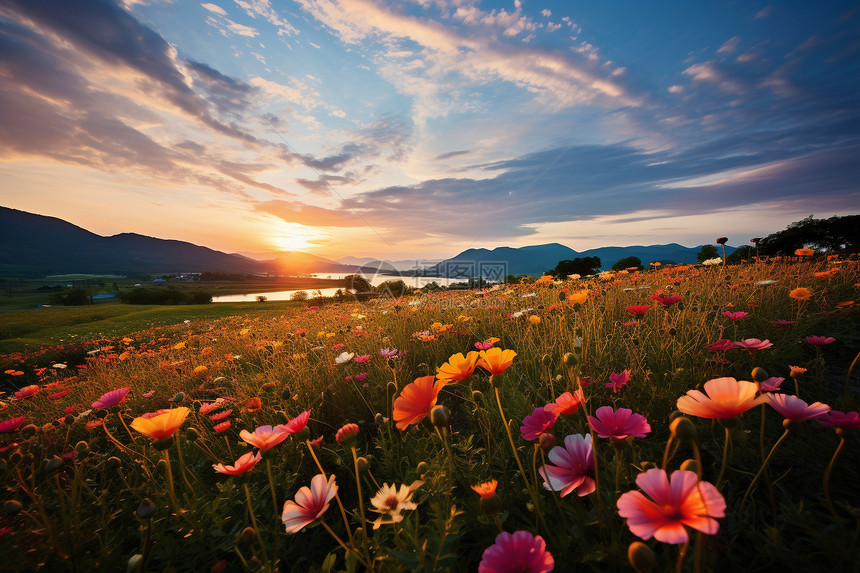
x: 753, y: 344
x: 297, y: 424
x: 310, y: 504
x: 841, y: 420
x: 721, y: 345
x: 735, y: 315
x: 361, y: 377
x: 771, y: 384
x: 668, y: 300
x: 361, y: 359
x: 520, y: 552
x: 609, y: 423
x: 7, y: 426
x: 539, y: 422
x: 109, y: 399
x: 820, y: 340
x: 796, y: 410
x: 573, y: 469
x: 616, y: 381
x: 27, y: 392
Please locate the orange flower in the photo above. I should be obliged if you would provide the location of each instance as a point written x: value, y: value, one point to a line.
x: 578, y: 297
x: 458, y: 367
x: 416, y: 400
x: 486, y: 490
x: 545, y: 280
x: 804, y: 252
x: 801, y: 293
x: 254, y: 404
x: 162, y: 425
x: 724, y: 398
x: 797, y: 370
x: 495, y: 360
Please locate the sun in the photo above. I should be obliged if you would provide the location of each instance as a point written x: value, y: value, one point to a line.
x: 294, y: 237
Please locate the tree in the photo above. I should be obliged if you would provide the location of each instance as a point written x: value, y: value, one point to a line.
x: 707, y: 252
x: 73, y: 297
x: 742, y: 254
x: 299, y: 295
x: 626, y: 263
x: 834, y: 234
x: 358, y: 283
x: 578, y: 266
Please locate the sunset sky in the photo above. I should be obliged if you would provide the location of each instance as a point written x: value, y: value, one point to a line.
x: 419, y: 128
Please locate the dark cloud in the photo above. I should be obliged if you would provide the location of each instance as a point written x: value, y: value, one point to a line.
x: 451, y: 154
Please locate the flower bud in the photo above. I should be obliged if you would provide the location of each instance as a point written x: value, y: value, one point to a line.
x: 422, y: 468
x: 683, y: 429
x: 570, y: 359
x: 641, y: 557
x: 490, y: 505
x: 134, y: 563
x: 53, y: 464
x: 759, y: 374
x: 363, y: 464
x: 379, y: 419
x: 178, y: 397
x: 439, y: 416
x: 146, y: 509
x: 248, y: 536
x: 191, y: 434
x: 286, y: 394
x: 114, y: 463
x: 163, y: 443
x: 69, y: 420
x: 547, y: 442
x: 690, y: 466
x: 82, y: 448
x: 29, y: 430
x: 11, y: 507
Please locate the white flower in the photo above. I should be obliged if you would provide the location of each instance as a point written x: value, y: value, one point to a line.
x: 714, y: 261
x: 577, y: 342
x: 766, y: 282
x: 59, y: 365
x: 344, y: 357
x: 531, y: 294
x: 574, y: 277
x: 390, y: 501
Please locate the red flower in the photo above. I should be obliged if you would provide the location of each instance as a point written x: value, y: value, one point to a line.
x: 60, y: 394
x: 735, y: 315
x: 668, y: 300
x: 27, y: 392
x: 721, y: 345
x: 638, y: 309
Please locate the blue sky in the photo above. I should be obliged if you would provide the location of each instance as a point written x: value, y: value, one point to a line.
x: 421, y: 128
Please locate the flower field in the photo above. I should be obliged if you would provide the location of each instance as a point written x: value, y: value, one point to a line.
x: 684, y: 418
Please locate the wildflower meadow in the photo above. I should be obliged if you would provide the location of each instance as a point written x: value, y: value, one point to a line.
x: 682, y: 418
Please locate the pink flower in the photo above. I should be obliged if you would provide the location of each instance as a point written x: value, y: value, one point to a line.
x: 820, y: 340
x: 243, y: 464
x: 796, y: 410
x: 753, y: 344
x: 27, y: 392
x: 721, y: 345
x: 668, y: 300
x: 210, y: 406
x: 566, y: 404
x: 297, y: 424
x: 486, y: 344
x: 112, y: 398
x: 783, y: 322
x: 616, y: 381
x: 338, y: 346
x: 771, y: 384
x: 735, y: 315
x: 149, y: 394
x: 724, y: 398
x: 60, y: 394
x: 520, y: 552
x: 539, y: 422
x: 221, y: 415
x: 222, y: 427
x: 619, y: 424
x: 361, y: 359
x: 310, y: 504
x: 679, y: 502
x: 842, y: 420
x: 264, y: 437
x: 361, y: 377
x: 347, y: 432
x: 388, y: 352
x: 573, y: 469
x: 7, y: 426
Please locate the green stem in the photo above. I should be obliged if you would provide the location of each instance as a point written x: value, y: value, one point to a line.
x: 848, y: 375
x: 360, y: 501
x: 826, y: 481
x: 182, y: 466
x: 254, y: 520
x: 726, y: 444
x: 336, y: 496
x: 762, y: 469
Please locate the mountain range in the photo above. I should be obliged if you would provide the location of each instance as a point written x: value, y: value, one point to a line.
x: 38, y: 244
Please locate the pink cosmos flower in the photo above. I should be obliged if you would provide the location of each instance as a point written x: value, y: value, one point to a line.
x: 521, y: 552
x: 539, y: 422
x: 264, y: 437
x: 617, y: 381
x: 796, y: 410
x: 843, y: 420
x: 221, y: 415
x: 735, y: 315
x: 361, y: 377
x: 109, y: 399
x: 297, y: 424
x: 7, y: 426
x: 771, y: 384
x: 609, y: 423
x: 149, y: 394
x: 210, y: 406
x: 60, y: 394
x: 566, y: 404
x: 753, y: 344
x: 27, y: 392
x: 668, y: 300
x: 674, y: 504
x: 243, y: 464
x: 573, y: 469
x: 721, y: 345
x: 310, y: 504
x: 486, y: 344
x: 388, y: 352
x: 820, y: 340
x: 361, y: 359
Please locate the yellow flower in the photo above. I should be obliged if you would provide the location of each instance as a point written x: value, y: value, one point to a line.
x: 534, y: 319
x: 578, y: 297
x: 161, y: 424
x: 179, y: 345
x: 801, y: 293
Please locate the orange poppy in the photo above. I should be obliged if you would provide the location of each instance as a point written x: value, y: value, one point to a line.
x: 487, y: 489
x: 801, y: 293
x: 416, y: 400
x: 495, y: 360
x: 458, y: 367
x: 724, y: 398
x: 162, y: 425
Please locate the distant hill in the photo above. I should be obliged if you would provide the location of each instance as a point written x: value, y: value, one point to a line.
x: 31, y: 243
x: 537, y: 259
